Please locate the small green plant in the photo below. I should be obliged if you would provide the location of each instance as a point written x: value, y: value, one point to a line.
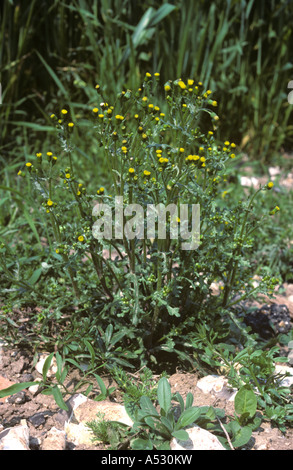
x: 114, y: 434
x: 56, y: 385
x: 162, y: 423
x: 155, y: 426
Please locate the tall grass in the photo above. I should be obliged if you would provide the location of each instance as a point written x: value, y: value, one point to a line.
x: 53, y: 51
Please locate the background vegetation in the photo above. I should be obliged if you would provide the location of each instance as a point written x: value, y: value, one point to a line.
x: 239, y: 49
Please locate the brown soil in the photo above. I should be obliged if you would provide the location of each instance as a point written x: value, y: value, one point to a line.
x: 41, y: 412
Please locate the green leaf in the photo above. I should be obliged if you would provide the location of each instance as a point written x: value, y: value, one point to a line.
x: 141, y: 444
x: 46, y: 366
x: 167, y: 423
x: 35, y: 276
x: 161, y: 13
x: 164, y: 394
x: 101, y: 384
x: 245, y: 401
x: 181, y: 435
x: 16, y: 388
x: 180, y: 400
x: 59, y: 398
x: 189, y: 400
x: 242, y: 436
x: 188, y: 417
x: 147, y: 408
x: 108, y: 335
x: 91, y: 351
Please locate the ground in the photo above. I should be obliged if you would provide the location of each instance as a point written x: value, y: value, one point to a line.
x: 42, y: 413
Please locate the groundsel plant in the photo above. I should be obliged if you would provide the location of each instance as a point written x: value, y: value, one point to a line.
x: 159, y: 144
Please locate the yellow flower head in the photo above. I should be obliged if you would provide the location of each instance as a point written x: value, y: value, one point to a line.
x: 181, y: 84
x: 50, y: 203
x: 64, y: 111
x: 81, y: 238
x: 146, y: 173
x: 167, y: 87
x: 131, y: 171
x: 270, y: 185
x: 67, y: 176
x: 95, y: 110
x: 70, y: 124
x: 39, y: 155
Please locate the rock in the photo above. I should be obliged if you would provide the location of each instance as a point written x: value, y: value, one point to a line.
x: 212, y: 383
x: 287, y: 381
x: 35, y: 388
x: 249, y: 181
x: 40, y: 365
x: 18, y: 398
x: 39, y: 419
x: 78, y: 434
x: 16, y: 438
x: 87, y: 410
x: 54, y: 440
x: 199, y: 439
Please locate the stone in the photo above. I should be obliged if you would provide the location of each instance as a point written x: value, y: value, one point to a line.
x: 35, y: 388
x: 38, y: 419
x: 84, y: 411
x: 212, y: 383
x: 18, y: 398
x: 78, y: 434
x: 287, y: 381
x: 54, y: 440
x: 199, y: 439
x: 88, y: 410
x: 16, y: 438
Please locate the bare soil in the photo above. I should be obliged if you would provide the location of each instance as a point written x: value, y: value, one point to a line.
x: 41, y: 412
